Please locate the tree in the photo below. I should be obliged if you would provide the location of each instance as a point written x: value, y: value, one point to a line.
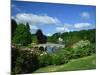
x: 41, y: 39
x: 29, y: 33
x: 34, y: 38
x: 22, y: 35
x: 28, y: 27
x: 13, y: 27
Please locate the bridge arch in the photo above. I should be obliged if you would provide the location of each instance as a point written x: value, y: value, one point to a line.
x: 43, y: 47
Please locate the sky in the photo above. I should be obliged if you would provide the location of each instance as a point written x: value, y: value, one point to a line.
x: 52, y: 17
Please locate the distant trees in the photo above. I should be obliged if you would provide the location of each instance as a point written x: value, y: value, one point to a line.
x: 75, y: 36
x: 22, y: 35
x: 40, y: 37
x: 54, y: 38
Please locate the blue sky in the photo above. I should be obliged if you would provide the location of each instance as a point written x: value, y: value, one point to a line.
x: 52, y: 18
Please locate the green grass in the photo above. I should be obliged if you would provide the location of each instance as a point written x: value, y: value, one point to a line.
x: 84, y: 63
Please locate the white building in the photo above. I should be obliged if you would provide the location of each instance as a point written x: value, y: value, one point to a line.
x: 60, y: 40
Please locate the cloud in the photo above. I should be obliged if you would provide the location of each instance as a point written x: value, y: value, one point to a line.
x: 35, y: 19
x: 85, y: 15
x: 62, y: 29
x: 68, y: 25
x: 33, y: 31
x: 34, y: 27
x: 49, y: 34
x: 82, y: 25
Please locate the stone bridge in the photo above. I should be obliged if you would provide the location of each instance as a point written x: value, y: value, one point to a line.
x: 51, y: 45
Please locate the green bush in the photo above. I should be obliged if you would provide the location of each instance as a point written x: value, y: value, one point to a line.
x: 83, y: 51
x: 57, y: 58
x: 26, y: 62
x: 60, y: 57
x: 14, y: 55
x: 44, y: 59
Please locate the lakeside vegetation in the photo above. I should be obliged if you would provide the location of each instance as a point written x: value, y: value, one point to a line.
x: 79, y: 50
x: 84, y: 63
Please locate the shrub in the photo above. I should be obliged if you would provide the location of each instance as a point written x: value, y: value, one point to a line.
x: 14, y: 55
x: 58, y: 59
x: 26, y: 62
x: 61, y: 56
x: 44, y: 59
x: 81, y: 44
x: 83, y: 48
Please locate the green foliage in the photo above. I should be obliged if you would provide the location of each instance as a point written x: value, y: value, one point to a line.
x: 64, y: 55
x: 54, y: 38
x: 83, y: 51
x: 28, y: 27
x: 25, y: 62
x: 14, y: 55
x: 45, y: 60
x: 85, y: 63
x: 34, y: 39
x: 72, y: 37
x: 60, y: 57
x: 77, y: 44
x: 13, y: 27
x: 41, y: 38
x: 22, y: 35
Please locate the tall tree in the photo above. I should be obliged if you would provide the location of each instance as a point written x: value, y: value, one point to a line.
x: 29, y: 33
x: 13, y: 27
x: 41, y: 39
x: 28, y: 27
x: 22, y: 35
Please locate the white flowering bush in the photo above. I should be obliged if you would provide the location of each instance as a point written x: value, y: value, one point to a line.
x: 43, y: 53
x: 81, y: 44
x: 83, y: 48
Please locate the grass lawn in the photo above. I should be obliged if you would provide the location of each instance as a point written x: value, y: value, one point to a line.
x: 84, y: 63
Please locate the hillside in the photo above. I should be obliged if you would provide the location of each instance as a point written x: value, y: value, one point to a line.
x: 84, y: 63
x: 70, y: 38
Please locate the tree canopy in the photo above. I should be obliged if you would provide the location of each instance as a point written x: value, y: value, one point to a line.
x: 13, y: 27
x: 22, y: 35
x: 41, y: 38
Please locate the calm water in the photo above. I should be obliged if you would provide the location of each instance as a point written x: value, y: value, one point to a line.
x: 51, y: 49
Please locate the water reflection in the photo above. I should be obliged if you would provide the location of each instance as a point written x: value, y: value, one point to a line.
x: 51, y: 49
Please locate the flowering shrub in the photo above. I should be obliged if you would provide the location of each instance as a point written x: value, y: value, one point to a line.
x: 83, y: 48
x: 81, y: 44
x: 24, y: 61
